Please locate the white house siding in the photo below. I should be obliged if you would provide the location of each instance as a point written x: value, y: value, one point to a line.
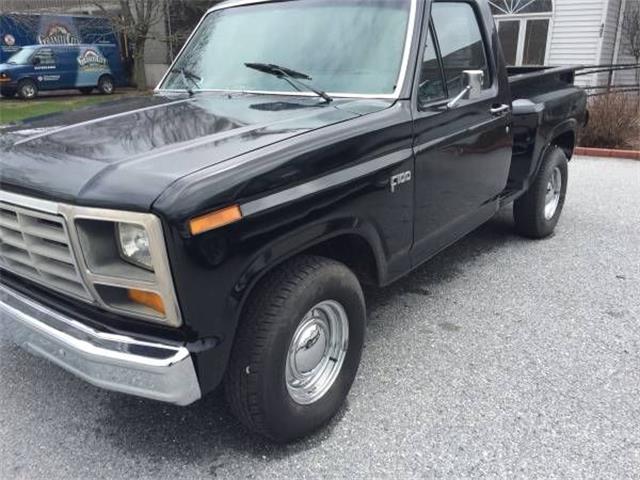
x: 611, y: 30
x: 156, y: 54
x: 611, y: 35
x: 576, y: 33
x: 625, y: 77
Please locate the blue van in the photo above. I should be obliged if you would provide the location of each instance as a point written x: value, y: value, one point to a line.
x: 62, y: 67
x: 21, y: 29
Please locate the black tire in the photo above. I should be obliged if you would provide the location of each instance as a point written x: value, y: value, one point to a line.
x: 106, y: 85
x: 86, y: 90
x: 529, y: 210
x: 27, y: 89
x: 255, y: 384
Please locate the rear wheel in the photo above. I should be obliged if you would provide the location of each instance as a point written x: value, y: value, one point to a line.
x: 27, y: 89
x: 536, y: 213
x: 297, y: 349
x: 106, y: 85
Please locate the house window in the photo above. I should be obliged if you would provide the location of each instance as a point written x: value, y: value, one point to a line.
x: 523, y: 27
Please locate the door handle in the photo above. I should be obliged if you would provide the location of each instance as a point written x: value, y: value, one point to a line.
x: 500, y: 110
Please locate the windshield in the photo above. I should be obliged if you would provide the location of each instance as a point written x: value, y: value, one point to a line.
x: 345, y: 46
x: 21, y: 57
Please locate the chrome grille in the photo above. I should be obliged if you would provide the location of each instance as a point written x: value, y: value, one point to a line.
x: 36, y: 245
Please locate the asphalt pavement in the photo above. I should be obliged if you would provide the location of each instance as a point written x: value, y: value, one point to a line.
x: 500, y: 358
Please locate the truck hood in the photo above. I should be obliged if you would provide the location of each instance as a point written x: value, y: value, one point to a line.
x: 124, y: 154
x: 8, y: 67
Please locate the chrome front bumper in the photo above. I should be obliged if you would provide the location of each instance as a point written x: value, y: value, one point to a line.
x: 113, y: 362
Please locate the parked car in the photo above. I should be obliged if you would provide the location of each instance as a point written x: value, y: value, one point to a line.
x: 62, y: 67
x: 219, y: 232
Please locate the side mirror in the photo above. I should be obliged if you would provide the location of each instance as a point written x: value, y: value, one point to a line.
x: 36, y: 61
x: 472, y: 81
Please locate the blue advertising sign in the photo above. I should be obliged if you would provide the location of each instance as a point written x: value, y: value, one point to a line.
x: 18, y: 30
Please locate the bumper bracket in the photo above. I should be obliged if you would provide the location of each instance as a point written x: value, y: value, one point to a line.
x: 113, y: 362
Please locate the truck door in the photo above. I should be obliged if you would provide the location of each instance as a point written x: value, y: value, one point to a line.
x: 48, y: 72
x: 68, y: 66
x: 463, y: 152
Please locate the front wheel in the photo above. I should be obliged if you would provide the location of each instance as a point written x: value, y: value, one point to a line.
x: 27, y: 89
x: 297, y: 349
x: 537, y: 212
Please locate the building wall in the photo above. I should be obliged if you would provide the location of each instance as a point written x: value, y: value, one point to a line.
x: 576, y: 34
x: 156, y: 54
x: 625, y: 77
x: 611, y: 31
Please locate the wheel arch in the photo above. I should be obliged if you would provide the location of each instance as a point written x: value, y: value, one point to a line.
x: 349, y: 241
x: 106, y: 75
x: 565, y: 137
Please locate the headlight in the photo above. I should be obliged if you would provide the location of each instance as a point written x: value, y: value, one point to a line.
x: 134, y: 245
x: 124, y: 262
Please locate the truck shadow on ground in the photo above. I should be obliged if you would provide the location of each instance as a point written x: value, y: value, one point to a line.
x: 447, y: 265
x: 206, y: 432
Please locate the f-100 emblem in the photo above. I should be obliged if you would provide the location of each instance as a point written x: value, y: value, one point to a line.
x: 398, y: 180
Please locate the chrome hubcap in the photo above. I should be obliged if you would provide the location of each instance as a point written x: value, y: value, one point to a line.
x: 28, y: 91
x: 552, y: 198
x: 317, y: 351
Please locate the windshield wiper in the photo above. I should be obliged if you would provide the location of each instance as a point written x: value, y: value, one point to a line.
x: 291, y: 76
x: 186, y: 76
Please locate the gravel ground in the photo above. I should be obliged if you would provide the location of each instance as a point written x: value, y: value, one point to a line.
x: 501, y: 357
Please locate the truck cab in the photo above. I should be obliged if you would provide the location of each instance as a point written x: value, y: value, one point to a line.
x: 220, y: 231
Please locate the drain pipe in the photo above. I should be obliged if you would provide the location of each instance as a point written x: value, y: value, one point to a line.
x: 616, y: 45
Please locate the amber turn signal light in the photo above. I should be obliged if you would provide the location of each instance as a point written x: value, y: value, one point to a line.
x: 148, y: 299
x: 213, y: 220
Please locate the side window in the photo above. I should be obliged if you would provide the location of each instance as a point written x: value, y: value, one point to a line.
x: 461, y: 44
x: 431, y: 86
x: 46, y: 56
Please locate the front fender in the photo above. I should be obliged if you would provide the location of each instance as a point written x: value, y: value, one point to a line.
x: 297, y: 241
x: 232, y: 283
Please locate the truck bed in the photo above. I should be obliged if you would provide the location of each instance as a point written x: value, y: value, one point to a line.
x: 545, y: 104
x: 527, y: 80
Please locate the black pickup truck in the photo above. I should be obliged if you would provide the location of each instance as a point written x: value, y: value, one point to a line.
x: 218, y: 232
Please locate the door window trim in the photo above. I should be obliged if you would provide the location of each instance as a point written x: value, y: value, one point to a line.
x: 445, y: 86
x: 53, y: 56
x: 428, y: 108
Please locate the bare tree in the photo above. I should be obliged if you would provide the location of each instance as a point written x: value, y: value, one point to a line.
x: 631, y: 32
x: 183, y: 16
x: 136, y: 20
